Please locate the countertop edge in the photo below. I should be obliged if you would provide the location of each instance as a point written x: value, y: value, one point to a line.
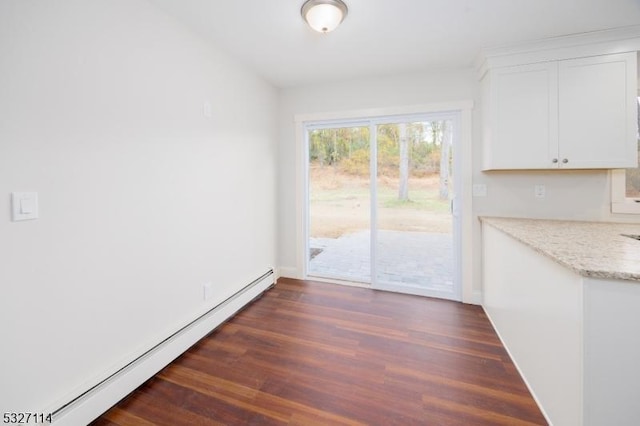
x: 498, y: 223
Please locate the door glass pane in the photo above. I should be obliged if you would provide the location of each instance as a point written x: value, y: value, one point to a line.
x: 339, y: 204
x: 414, y: 241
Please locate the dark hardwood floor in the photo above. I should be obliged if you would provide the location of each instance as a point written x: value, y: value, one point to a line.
x: 310, y: 353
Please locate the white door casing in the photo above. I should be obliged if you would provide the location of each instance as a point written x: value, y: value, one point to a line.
x: 458, y: 111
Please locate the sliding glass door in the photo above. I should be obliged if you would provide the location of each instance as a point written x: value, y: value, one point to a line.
x: 380, y: 203
x: 413, y: 229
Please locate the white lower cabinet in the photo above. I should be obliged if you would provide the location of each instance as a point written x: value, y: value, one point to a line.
x: 575, y: 340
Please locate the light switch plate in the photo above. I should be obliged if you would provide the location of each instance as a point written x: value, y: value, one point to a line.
x: 24, y: 206
x: 207, y: 290
x: 207, y: 109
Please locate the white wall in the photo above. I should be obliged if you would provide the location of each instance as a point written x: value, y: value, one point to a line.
x: 579, y: 195
x: 142, y: 198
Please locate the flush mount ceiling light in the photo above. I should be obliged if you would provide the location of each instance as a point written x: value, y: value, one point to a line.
x: 324, y: 15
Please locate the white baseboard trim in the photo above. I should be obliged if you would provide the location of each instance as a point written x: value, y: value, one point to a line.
x: 96, y: 401
x: 476, y: 298
x: 289, y: 272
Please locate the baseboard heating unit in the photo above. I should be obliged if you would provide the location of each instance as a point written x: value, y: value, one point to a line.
x: 90, y: 404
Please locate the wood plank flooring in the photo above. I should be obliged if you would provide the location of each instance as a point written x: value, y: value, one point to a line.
x: 311, y: 353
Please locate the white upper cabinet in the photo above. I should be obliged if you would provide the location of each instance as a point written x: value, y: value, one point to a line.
x: 598, y: 112
x: 522, y: 117
x: 570, y: 114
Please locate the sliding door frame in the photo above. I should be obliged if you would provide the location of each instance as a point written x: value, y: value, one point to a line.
x: 459, y: 111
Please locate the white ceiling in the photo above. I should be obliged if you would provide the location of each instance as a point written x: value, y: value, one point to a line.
x: 382, y: 37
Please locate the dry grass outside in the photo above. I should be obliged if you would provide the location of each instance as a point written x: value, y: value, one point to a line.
x: 340, y: 204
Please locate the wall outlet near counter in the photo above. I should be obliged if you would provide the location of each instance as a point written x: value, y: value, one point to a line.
x: 479, y: 190
x: 540, y: 191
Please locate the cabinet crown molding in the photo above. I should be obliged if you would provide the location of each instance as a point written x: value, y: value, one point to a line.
x: 615, y: 40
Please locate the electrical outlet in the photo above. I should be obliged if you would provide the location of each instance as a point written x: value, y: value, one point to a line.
x: 479, y: 190
x: 207, y: 290
x: 540, y: 191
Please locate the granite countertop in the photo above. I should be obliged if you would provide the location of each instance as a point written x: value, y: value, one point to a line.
x: 591, y: 249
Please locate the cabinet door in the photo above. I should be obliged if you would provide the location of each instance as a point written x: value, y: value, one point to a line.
x: 598, y: 112
x: 523, y: 117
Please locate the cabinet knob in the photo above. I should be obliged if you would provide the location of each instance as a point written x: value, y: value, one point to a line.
x: 554, y: 161
x: 565, y: 161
